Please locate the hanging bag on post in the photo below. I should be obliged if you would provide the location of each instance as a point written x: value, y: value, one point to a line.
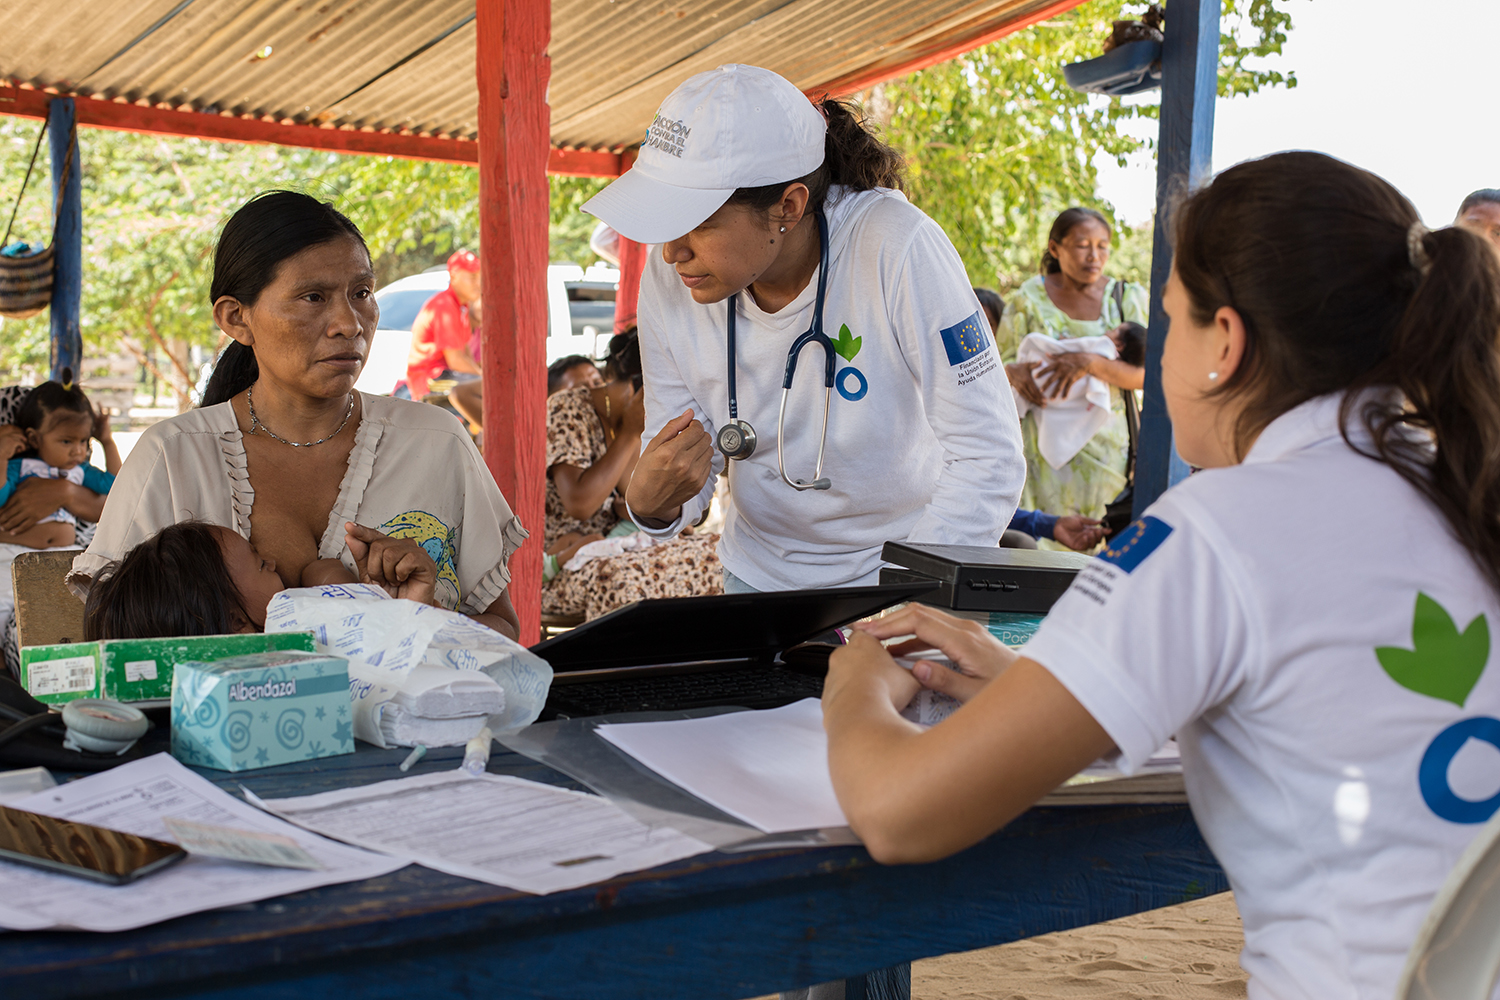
x: 1118, y: 512
x: 26, y: 278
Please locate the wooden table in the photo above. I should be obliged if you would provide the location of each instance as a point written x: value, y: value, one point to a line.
x: 719, y: 925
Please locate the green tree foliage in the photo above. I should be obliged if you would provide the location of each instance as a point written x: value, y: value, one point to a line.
x: 571, y: 228
x: 153, y: 208
x: 414, y: 213
x: 997, y: 143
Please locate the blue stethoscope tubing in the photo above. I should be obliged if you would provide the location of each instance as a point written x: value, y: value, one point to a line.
x: 739, y: 434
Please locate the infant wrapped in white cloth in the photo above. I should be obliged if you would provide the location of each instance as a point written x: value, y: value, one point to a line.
x: 606, y: 547
x: 1067, y: 423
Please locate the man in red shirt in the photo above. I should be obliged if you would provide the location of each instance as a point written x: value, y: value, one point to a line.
x: 440, y: 334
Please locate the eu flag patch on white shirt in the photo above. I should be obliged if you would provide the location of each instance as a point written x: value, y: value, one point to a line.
x: 966, y: 340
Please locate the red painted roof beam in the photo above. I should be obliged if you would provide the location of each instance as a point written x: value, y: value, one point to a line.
x: 860, y: 79
x: 29, y: 103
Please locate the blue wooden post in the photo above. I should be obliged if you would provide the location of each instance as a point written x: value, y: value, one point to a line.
x: 67, y: 240
x: 1184, y: 156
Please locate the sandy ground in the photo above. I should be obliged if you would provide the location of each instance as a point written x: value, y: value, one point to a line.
x: 1186, y: 952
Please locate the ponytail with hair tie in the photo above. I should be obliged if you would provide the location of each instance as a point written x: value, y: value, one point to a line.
x: 1344, y: 292
x: 1415, y: 251
x: 1443, y: 434
x: 853, y: 157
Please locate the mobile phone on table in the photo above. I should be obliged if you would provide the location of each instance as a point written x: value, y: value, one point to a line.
x: 92, y: 852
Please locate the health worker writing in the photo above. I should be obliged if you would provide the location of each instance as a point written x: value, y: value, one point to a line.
x: 807, y: 327
x: 1335, y: 702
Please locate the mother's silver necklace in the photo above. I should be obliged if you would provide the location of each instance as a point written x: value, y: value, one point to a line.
x: 255, y: 423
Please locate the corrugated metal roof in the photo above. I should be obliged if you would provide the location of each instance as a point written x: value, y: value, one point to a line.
x: 409, y: 64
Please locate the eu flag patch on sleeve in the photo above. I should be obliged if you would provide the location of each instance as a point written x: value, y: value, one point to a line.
x: 1136, y: 542
x: 966, y: 340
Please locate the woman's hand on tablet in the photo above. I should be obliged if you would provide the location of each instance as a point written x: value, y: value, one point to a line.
x: 977, y: 656
x: 914, y: 794
x: 864, y: 667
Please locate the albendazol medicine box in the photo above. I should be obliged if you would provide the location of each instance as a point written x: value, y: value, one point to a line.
x: 261, y: 710
x: 138, y: 671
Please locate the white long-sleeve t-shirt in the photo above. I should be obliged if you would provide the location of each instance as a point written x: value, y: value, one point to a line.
x: 923, y: 440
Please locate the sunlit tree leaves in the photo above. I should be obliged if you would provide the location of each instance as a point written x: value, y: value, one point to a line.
x: 997, y: 143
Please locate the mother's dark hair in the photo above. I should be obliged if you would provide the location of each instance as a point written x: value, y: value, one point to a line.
x: 1341, y: 289
x: 853, y: 157
x: 267, y: 229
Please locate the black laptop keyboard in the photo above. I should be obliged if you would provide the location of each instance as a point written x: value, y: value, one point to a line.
x: 751, y: 687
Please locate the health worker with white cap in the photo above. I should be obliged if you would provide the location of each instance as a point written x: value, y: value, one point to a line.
x: 807, y: 327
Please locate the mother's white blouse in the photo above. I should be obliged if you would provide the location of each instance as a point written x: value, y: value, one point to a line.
x: 413, y: 473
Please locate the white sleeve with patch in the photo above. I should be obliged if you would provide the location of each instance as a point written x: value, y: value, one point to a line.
x: 667, y: 395
x: 945, y: 340
x: 1152, y: 634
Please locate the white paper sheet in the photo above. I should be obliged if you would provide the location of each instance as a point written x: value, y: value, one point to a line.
x: 135, y: 798
x: 505, y: 831
x: 769, y: 768
x: 1166, y: 760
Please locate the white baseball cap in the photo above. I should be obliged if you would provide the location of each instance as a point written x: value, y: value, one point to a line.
x: 733, y: 127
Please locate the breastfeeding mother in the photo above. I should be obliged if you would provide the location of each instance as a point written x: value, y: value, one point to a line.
x: 284, y: 451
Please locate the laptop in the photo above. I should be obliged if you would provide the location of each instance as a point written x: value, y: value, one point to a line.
x: 677, y: 653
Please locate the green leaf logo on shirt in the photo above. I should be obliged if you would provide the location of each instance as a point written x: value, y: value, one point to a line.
x: 846, y: 343
x: 1442, y: 663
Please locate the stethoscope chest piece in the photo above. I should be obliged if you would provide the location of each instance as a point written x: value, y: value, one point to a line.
x: 736, y: 439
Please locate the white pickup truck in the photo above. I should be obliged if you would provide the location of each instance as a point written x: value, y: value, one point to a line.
x: 580, y: 318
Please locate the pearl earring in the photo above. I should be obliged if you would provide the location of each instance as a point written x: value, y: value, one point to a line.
x: 1213, y: 376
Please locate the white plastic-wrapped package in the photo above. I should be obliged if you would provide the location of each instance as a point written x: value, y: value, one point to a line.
x: 386, y: 640
x: 402, y: 729
x: 447, y: 693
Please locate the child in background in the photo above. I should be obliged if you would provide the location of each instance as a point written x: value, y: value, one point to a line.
x: 565, y: 548
x: 1130, y: 343
x: 59, y: 423
x: 993, y: 305
x: 194, y: 578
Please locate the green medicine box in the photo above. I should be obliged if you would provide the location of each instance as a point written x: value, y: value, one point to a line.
x: 138, y: 671
x: 261, y: 710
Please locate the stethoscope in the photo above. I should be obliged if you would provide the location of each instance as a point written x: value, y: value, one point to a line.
x: 736, y: 438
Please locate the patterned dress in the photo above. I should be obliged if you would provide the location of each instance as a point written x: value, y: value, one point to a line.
x: 1097, y: 473
x: 684, y: 567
